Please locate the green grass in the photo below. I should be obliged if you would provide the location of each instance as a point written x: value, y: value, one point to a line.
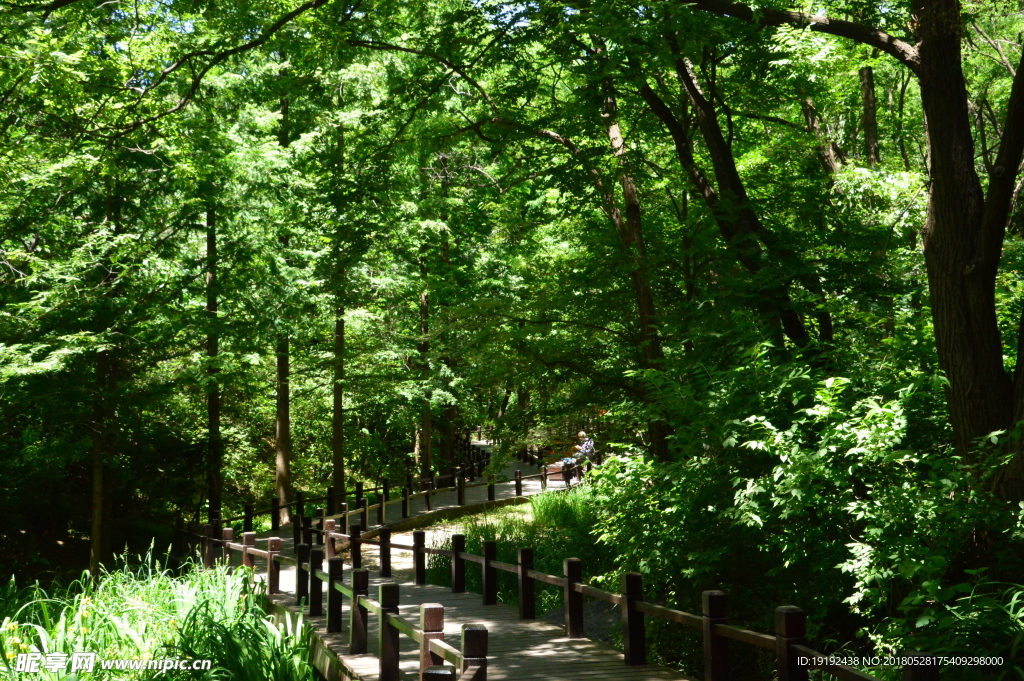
x: 143, y: 611
x: 557, y: 526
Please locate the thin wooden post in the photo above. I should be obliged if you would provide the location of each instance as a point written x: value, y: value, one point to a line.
x: 329, y: 548
x: 300, y: 506
x: 543, y: 477
x: 527, y: 586
x: 634, y: 633
x: 405, y: 502
x: 474, y: 652
x: 419, y: 557
x: 716, y: 648
x: 335, y: 575
x: 343, y: 518
x: 381, y: 510
x: 296, y: 529
x: 573, y: 570
x: 460, y: 491
x: 319, y: 534
x: 316, y: 589
x: 208, y: 545
x: 387, y: 634
x: 566, y: 475
x: 454, y: 477
x: 355, y: 531
x: 226, y: 535
x: 364, y: 513
x: 248, y: 559
x: 458, y: 564
x: 490, y: 488
x: 408, y: 481
x: 358, y: 625
x: 359, y: 492
x: 385, y: 552
x: 301, y: 575
x: 273, y: 567
x: 432, y: 626
x: 217, y: 544
x: 920, y: 667
x: 490, y: 573
x: 519, y: 483
x: 790, y: 630
x: 247, y: 521
x: 307, y: 530
x: 275, y: 514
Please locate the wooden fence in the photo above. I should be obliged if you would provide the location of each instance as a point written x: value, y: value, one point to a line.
x: 794, y: 657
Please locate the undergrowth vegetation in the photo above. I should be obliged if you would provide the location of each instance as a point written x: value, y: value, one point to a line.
x: 144, y: 611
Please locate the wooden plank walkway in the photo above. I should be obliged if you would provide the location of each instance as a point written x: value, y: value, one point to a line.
x: 517, y: 649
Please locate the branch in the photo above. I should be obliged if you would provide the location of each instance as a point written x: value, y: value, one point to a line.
x: 903, y: 52
x: 1003, y: 177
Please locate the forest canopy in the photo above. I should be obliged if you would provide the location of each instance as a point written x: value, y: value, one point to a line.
x: 769, y: 254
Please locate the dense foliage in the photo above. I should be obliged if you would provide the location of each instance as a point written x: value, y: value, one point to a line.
x: 772, y: 260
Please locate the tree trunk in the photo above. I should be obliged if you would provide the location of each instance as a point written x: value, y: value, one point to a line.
x: 99, y: 536
x: 425, y: 434
x: 448, y: 434
x: 283, y: 423
x: 338, y: 397
x: 214, y: 445
x: 630, y: 232
x: 870, y: 115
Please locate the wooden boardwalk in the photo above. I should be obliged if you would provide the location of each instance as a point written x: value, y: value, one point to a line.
x: 517, y: 649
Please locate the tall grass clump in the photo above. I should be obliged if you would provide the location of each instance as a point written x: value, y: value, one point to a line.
x: 145, y: 612
x: 557, y: 526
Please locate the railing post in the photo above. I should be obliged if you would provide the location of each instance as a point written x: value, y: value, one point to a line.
x: 359, y: 492
x: 335, y: 574
x: 428, y: 492
x: 566, y: 475
x: 296, y: 529
x: 329, y: 549
x: 316, y: 589
x: 358, y: 625
x: 301, y: 575
x: 458, y: 564
x: 519, y: 483
x: 319, y: 527
x: 273, y: 567
x: 527, y: 586
x: 226, y: 535
x: 490, y: 488
x: 381, y: 509
x: 922, y: 667
x: 247, y: 522
x: 634, y: 633
x: 307, y: 530
x: 208, y: 545
x: 490, y: 573
x: 432, y: 626
x: 364, y: 513
x: 543, y: 477
x: 408, y: 482
x: 300, y: 506
x: 217, y: 544
x: 573, y: 571
x: 387, y: 634
x: 385, y: 552
x: 405, y: 502
x: 419, y: 557
x: 343, y: 518
x: 454, y: 477
x: 248, y: 559
x: 355, y: 531
x: 716, y: 648
x: 460, y: 491
x: 275, y: 514
x: 474, y: 652
x: 790, y: 630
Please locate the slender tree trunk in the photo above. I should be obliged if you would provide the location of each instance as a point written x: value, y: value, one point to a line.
x: 448, y: 418
x: 870, y: 115
x: 338, y: 396
x: 99, y: 536
x: 283, y: 422
x: 214, y: 444
x: 631, y: 233
x: 426, y: 417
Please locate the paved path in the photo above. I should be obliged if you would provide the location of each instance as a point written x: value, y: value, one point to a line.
x: 518, y: 649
